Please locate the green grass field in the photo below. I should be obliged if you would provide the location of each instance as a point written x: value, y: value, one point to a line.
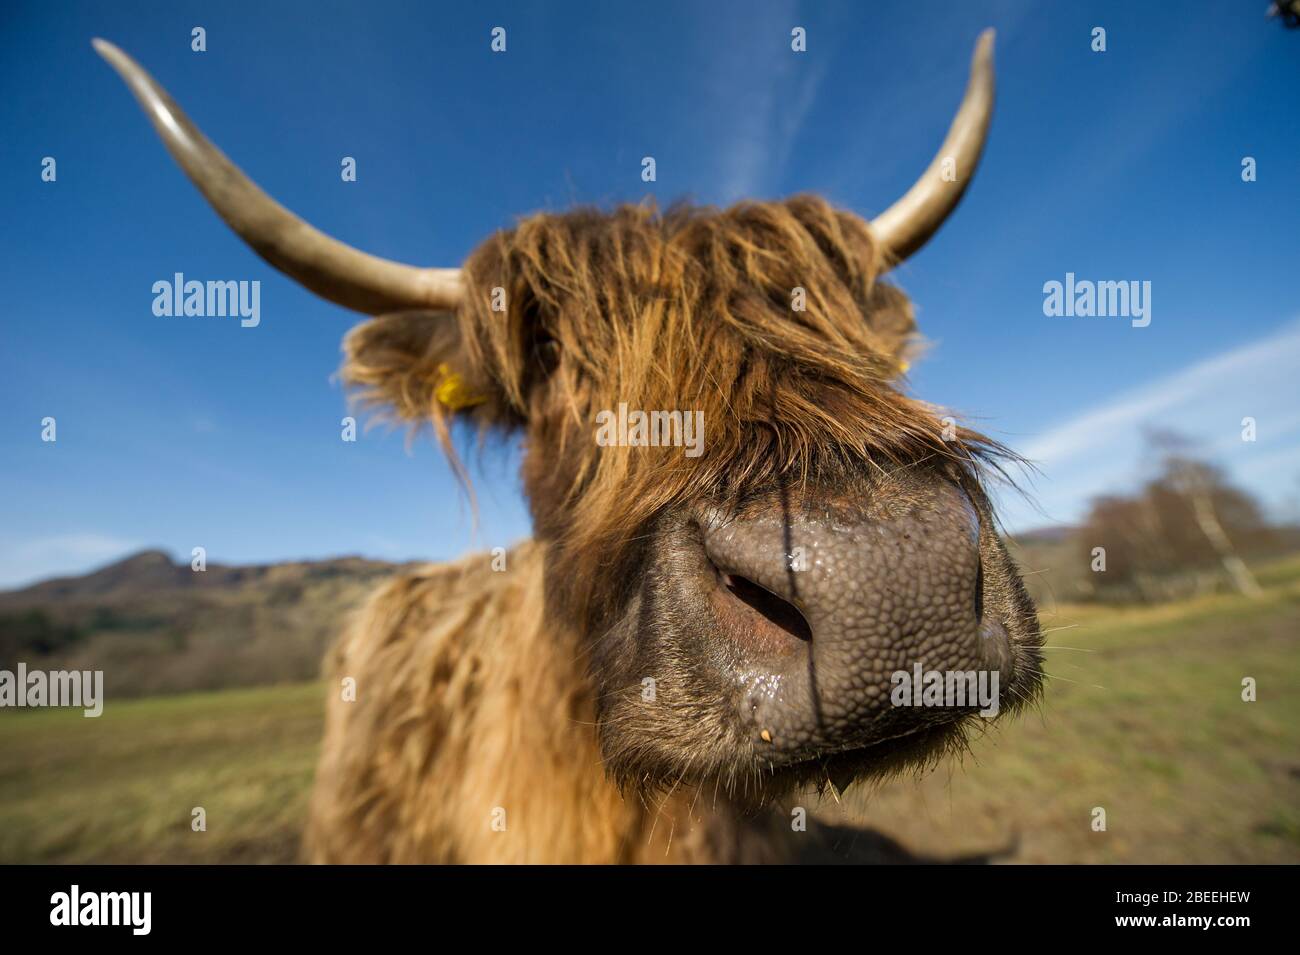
x: 1143, y: 717
x: 121, y: 788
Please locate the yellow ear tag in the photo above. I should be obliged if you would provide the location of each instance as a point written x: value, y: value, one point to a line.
x: 451, y: 391
x: 903, y: 366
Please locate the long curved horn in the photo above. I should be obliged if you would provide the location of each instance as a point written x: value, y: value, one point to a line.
x: 329, y: 268
x: 908, y: 224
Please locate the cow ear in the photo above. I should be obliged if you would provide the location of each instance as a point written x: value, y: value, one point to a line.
x: 413, y: 366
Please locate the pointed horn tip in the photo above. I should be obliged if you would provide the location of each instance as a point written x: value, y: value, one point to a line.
x: 105, y: 49
x: 983, y: 58
x: 114, y: 56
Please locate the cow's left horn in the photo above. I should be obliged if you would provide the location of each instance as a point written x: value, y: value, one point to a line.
x: 908, y: 224
x: 326, y: 266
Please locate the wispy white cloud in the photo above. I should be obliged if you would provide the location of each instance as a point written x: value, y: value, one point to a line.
x: 1234, y: 373
x: 1101, y: 450
x: 59, y: 555
x: 762, y: 103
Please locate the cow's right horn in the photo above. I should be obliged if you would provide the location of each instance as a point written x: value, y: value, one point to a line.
x: 329, y: 268
x: 908, y: 224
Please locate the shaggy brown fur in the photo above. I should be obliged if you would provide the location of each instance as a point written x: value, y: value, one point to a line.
x: 475, y: 689
x: 688, y: 309
x: 468, y: 704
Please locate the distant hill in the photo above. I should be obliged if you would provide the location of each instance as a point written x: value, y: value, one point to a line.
x: 1046, y: 535
x: 154, y: 625
x: 153, y: 572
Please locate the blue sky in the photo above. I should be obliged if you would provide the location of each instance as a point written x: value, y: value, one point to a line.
x: 177, y: 432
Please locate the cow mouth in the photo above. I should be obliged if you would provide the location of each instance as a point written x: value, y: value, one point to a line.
x: 872, y: 759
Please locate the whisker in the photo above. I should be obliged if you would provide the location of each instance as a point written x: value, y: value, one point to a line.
x: 1053, y: 676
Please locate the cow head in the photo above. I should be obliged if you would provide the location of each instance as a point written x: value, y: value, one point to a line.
x: 753, y: 529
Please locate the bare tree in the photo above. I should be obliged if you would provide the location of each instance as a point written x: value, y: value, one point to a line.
x: 1185, y: 520
x: 1203, y: 488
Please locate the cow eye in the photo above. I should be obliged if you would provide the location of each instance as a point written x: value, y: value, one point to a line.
x: 547, y: 351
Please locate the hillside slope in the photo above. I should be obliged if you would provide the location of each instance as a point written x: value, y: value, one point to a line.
x: 156, y: 626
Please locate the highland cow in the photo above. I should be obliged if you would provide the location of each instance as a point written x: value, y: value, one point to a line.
x: 686, y: 642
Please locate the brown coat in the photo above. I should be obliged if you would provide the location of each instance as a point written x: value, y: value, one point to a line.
x: 466, y: 706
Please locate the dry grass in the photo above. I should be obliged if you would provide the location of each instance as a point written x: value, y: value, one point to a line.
x: 121, y: 788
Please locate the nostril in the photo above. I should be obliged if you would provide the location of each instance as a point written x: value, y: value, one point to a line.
x: 780, y: 612
x: 979, y: 591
